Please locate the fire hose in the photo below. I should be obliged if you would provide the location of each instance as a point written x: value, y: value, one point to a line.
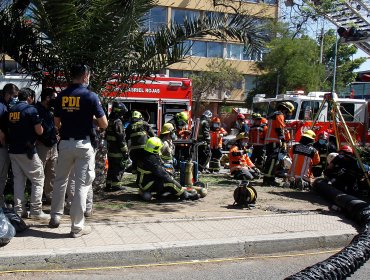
x: 357, y: 253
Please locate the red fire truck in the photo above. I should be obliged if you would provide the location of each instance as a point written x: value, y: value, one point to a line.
x: 354, y: 111
x: 158, y: 98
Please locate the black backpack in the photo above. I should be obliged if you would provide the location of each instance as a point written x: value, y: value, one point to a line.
x: 244, y: 195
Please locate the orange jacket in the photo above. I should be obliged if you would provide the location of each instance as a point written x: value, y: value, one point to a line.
x: 303, y: 158
x: 275, y: 128
x: 257, y: 135
x: 238, y: 159
x: 216, y: 138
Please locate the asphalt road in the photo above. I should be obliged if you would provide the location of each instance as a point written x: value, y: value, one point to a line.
x: 277, y: 267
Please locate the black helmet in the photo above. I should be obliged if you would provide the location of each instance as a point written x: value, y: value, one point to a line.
x: 119, y: 108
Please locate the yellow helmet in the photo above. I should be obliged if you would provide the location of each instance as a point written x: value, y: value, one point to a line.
x: 309, y: 134
x: 153, y: 145
x: 256, y: 116
x: 182, y: 116
x: 167, y: 128
x: 136, y: 115
x: 241, y: 136
x: 288, y: 105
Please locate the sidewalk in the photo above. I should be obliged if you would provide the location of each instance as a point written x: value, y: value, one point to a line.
x: 143, y: 242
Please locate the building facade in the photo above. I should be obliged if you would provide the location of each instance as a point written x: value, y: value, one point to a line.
x: 204, y: 50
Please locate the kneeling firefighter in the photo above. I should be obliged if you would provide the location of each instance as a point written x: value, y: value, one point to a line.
x: 117, y: 147
x: 152, y: 176
x: 241, y: 166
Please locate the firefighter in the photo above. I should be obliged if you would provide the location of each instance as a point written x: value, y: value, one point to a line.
x: 168, y: 150
x: 117, y: 147
x: 180, y: 123
x: 241, y: 166
x: 275, y: 140
x: 257, y: 134
x: 138, y: 131
x: 303, y: 156
x: 324, y: 147
x: 152, y: 177
x: 204, y: 151
x: 345, y: 173
x: 217, y: 132
x: 241, y: 124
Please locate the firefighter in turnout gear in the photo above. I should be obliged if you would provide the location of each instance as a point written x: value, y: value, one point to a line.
x: 257, y: 134
x: 204, y: 152
x: 117, y: 147
x: 168, y: 150
x: 217, y: 132
x: 138, y: 131
x: 275, y: 140
x: 241, y: 166
x: 324, y: 147
x: 180, y: 124
x: 304, y: 156
x: 152, y: 177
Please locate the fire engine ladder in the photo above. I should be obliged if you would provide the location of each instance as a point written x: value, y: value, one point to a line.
x: 353, y: 13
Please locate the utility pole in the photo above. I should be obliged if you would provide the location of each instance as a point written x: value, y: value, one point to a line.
x: 321, y: 45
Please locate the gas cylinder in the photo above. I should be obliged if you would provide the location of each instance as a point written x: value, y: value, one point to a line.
x: 189, y: 173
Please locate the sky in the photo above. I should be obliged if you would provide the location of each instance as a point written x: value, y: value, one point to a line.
x: 365, y: 66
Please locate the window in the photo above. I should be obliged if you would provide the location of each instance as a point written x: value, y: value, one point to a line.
x: 215, y: 49
x: 269, y: 1
x: 309, y: 109
x: 199, y: 48
x: 178, y: 15
x: 155, y: 19
x: 348, y: 111
x: 261, y: 108
x: 235, y: 51
x: 250, y: 83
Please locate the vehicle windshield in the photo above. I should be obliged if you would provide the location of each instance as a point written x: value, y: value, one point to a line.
x: 266, y: 108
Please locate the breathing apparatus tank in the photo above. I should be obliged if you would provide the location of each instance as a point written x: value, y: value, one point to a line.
x: 188, y: 173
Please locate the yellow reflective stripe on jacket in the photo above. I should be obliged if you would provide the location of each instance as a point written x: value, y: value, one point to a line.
x: 115, y: 155
x: 139, y: 133
x: 142, y: 173
x: 179, y: 190
x: 137, y: 147
x: 111, y: 138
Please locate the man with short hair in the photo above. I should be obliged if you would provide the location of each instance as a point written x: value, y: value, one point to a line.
x: 6, y: 96
x: 24, y: 126
x: 75, y: 109
x: 46, y: 144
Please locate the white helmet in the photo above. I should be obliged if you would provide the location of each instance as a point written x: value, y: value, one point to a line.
x: 208, y: 114
x: 330, y: 157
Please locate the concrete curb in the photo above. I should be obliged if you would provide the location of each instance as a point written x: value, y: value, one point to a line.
x: 187, y: 250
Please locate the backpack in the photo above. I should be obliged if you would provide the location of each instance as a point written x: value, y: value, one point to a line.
x: 17, y: 222
x: 244, y: 195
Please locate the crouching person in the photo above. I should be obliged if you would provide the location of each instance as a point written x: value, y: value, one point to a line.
x: 241, y: 167
x: 303, y: 156
x: 152, y: 176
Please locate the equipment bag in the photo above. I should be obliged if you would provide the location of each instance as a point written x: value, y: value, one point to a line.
x: 15, y: 220
x: 7, y: 231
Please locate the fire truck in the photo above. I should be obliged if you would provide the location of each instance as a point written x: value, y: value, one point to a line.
x: 158, y: 98
x: 354, y: 111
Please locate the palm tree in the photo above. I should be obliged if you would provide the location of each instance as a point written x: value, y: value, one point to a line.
x: 50, y: 35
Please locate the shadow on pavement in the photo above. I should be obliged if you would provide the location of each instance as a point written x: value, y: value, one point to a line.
x: 34, y: 232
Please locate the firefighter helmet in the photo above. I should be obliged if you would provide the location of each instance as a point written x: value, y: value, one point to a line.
x: 346, y: 149
x: 323, y: 135
x: 241, y: 136
x: 182, y: 116
x: 309, y: 134
x: 240, y: 116
x: 153, y: 145
x: 208, y: 114
x: 256, y: 116
x: 137, y: 115
x: 288, y: 105
x: 119, y: 108
x: 216, y: 120
x: 167, y: 128
x: 330, y: 157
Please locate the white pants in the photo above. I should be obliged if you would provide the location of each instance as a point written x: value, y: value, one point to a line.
x: 48, y: 156
x: 23, y: 168
x: 75, y: 156
x: 4, y: 168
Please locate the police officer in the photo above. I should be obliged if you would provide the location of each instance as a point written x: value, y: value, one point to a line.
x: 75, y: 109
x: 138, y: 131
x: 46, y: 144
x: 152, y: 177
x: 6, y: 96
x: 275, y: 140
x: 24, y: 126
x: 204, y: 151
x: 117, y: 147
